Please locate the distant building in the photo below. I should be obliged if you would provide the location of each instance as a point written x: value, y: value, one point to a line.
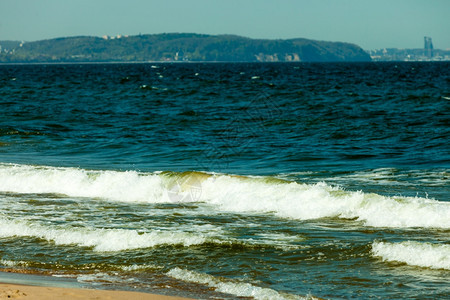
x: 419, y: 54
x: 428, y: 47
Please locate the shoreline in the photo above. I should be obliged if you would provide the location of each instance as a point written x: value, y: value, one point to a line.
x: 19, y: 291
x: 16, y: 285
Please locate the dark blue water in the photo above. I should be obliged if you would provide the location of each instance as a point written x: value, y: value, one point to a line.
x: 312, y: 178
x: 256, y: 118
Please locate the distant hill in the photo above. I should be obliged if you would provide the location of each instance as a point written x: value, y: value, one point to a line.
x: 178, y: 47
x: 6, y: 46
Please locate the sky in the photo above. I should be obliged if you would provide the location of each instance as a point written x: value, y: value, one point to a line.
x: 371, y: 24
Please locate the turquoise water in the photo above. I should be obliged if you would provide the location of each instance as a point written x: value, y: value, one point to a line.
x: 229, y: 180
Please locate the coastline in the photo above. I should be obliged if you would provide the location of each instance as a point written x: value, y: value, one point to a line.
x: 14, y: 285
x: 18, y: 291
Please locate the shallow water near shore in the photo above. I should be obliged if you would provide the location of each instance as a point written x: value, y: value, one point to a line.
x: 229, y: 180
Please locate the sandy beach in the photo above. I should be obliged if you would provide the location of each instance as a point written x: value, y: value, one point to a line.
x: 26, y: 284
x: 17, y: 291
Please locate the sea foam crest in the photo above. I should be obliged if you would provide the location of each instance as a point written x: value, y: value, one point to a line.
x: 230, y: 193
x: 107, y: 240
x: 12, y: 263
x: 240, y: 289
x: 435, y: 256
x: 310, y: 201
x: 102, y: 240
x: 113, y: 185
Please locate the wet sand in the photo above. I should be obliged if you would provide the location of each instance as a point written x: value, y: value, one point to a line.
x: 26, y: 284
x: 18, y: 291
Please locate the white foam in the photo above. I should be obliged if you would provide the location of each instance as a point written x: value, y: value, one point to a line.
x: 102, y: 240
x: 230, y: 193
x: 107, y: 240
x: 113, y: 185
x: 240, y: 289
x: 311, y: 201
x: 435, y: 256
x: 101, y: 278
x: 278, y: 240
x: 11, y: 263
x: 132, y: 268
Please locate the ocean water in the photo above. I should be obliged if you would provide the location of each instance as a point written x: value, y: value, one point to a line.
x: 271, y: 181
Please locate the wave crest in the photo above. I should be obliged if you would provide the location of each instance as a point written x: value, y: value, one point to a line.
x: 230, y: 193
x: 240, y: 289
x: 435, y: 256
x: 101, y: 240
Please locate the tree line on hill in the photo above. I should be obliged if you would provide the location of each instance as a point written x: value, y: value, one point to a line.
x: 177, y: 47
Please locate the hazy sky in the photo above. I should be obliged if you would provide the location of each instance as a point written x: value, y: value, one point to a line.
x: 372, y: 24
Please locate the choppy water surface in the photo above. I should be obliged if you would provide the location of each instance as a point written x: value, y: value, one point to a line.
x: 229, y: 180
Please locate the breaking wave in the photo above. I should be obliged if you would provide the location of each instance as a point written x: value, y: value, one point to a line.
x: 230, y: 193
x: 101, y: 240
x: 240, y: 289
x: 109, y: 240
x: 435, y: 256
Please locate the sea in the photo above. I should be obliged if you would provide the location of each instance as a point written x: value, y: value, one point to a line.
x: 229, y: 180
